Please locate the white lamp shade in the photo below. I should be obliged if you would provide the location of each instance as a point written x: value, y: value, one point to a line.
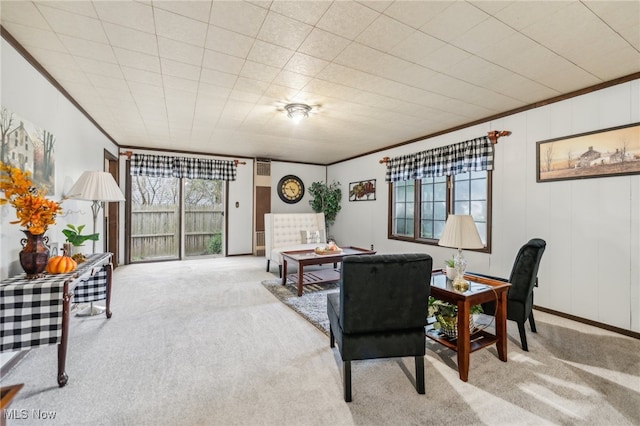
x: 460, y: 232
x: 96, y: 186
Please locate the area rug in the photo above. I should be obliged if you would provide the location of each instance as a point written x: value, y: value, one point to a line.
x: 312, y: 305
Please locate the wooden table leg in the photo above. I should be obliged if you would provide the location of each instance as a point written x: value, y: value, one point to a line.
x: 109, y: 269
x: 64, y: 339
x: 464, y: 343
x: 300, y: 278
x: 284, y: 271
x: 501, y: 326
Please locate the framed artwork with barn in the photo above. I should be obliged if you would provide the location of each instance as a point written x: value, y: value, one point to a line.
x: 364, y: 190
x: 609, y: 152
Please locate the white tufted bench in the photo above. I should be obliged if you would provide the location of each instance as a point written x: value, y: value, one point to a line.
x: 282, y: 233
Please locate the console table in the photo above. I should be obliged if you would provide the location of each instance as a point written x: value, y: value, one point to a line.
x: 481, y: 290
x: 35, y: 312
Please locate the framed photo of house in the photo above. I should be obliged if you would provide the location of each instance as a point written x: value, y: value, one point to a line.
x: 609, y: 152
x: 364, y: 190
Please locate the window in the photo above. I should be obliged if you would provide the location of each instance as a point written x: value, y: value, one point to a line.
x: 419, y: 208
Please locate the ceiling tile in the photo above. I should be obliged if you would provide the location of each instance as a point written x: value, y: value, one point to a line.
x: 137, y: 60
x: 177, y: 83
x: 229, y: 42
x: 347, y: 19
x: 131, y: 39
x: 416, y: 13
x: 305, y: 64
x: 384, y: 33
x: 324, y: 45
x: 180, y: 28
x: 181, y: 52
x: 141, y: 76
x: 23, y: 13
x: 218, y: 78
x: 106, y: 69
x: 78, y: 26
x: 269, y: 54
x: 416, y: 47
x: 259, y: 71
x: 84, y: 8
x: 308, y: 12
x: 454, y: 21
x: 199, y: 10
x: 282, y: 31
x: 291, y: 79
x: 180, y: 69
x: 222, y: 62
x: 35, y: 37
x: 88, y: 49
x: 132, y: 14
x: 240, y: 17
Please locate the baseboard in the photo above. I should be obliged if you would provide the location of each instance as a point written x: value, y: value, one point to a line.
x: 7, y: 366
x: 608, y: 327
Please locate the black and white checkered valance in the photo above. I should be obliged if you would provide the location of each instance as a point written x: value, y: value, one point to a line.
x: 182, y: 167
x: 472, y: 155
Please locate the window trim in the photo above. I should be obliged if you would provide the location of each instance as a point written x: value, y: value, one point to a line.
x: 417, y: 214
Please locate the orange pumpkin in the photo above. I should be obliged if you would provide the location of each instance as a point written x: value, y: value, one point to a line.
x: 61, y: 265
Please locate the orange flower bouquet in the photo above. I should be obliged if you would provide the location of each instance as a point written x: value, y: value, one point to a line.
x: 33, y: 210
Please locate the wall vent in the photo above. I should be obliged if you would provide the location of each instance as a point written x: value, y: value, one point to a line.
x: 263, y: 168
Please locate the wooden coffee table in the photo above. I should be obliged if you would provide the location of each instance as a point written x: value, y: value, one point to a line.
x: 308, y: 257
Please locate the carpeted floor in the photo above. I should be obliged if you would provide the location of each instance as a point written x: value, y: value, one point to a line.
x: 202, y: 342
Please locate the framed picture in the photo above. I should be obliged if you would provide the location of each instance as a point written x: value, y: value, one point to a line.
x: 364, y: 190
x: 29, y: 148
x: 609, y: 152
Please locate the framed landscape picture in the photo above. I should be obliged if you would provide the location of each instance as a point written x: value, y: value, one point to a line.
x: 364, y: 190
x: 609, y: 152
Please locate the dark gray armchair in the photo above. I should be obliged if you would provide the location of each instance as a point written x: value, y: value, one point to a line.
x: 524, y: 276
x: 381, y: 310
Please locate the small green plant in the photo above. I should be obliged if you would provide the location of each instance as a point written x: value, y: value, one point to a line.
x: 215, y: 244
x: 75, y: 237
x: 450, y: 263
x: 445, y: 309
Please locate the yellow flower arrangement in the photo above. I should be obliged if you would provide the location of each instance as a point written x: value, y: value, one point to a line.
x: 33, y: 210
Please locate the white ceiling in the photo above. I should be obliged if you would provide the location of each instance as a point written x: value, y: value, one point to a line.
x: 212, y: 77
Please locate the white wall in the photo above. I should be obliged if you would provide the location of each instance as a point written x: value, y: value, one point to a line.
x: 79, y: 146
x: 591, y: 226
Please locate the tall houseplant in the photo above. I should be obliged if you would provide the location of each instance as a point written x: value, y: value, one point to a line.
x: 326, y: 199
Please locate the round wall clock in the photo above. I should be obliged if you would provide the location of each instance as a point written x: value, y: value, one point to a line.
x: 290, y: 189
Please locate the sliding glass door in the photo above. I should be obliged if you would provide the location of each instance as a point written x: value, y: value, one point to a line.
x: 174, y: 218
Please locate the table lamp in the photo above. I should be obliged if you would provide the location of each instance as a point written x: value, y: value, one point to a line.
x: 460, y: 232
x: 97, y: 187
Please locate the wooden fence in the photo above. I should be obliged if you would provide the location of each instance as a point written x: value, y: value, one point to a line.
x: 155, y: 232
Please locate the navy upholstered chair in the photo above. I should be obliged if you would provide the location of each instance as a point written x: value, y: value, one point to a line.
x: 523, y: 278
x: 381, y: 310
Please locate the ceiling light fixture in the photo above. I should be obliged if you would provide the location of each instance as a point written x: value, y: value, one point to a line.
x: 297, y: 112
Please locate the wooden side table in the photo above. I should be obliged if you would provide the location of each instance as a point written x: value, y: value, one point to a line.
x: 481, y: 290
x: 35, y: 312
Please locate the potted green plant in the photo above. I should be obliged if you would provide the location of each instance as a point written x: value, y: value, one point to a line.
x: 446, y: 315
x: 75, y: 237
x: 326, y: 199
x: 450, y: 268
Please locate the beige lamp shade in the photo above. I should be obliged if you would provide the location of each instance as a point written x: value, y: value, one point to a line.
x: 96, y: 186
x: 460, y: 232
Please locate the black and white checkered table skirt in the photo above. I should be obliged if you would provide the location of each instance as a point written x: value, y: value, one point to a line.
x: 31, y: 310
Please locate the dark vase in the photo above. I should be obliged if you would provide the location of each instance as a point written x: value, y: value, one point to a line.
x: 34, y: 254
